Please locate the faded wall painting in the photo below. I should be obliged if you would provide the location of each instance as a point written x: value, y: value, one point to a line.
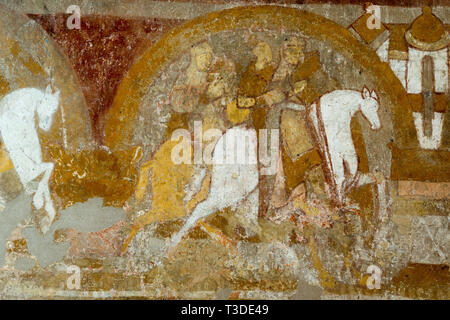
x: 228, y: 151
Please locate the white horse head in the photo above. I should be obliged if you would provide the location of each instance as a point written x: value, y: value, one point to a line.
x: 369, y: 107
x: 47, y: 108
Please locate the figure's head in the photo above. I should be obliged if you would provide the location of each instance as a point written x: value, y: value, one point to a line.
x: 263, y: 52
x: 222, y: 79
x: 202, y: 55
x: 369, y: 107
x: 47, y: 108
x: 292, y: 51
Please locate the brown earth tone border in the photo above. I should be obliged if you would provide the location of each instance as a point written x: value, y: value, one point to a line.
x: 403, y: 3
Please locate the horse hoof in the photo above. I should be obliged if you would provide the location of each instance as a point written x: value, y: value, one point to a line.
x: 45, y: 224
x: 38, y: 201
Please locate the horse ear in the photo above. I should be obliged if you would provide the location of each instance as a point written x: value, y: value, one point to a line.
x: 365, y: 92
x: 48, y: 89
x: 374, y: 95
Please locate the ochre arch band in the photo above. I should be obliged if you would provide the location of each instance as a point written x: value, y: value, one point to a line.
x: 119, y: 128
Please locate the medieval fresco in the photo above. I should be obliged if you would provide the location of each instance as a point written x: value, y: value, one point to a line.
x: 225, y: 152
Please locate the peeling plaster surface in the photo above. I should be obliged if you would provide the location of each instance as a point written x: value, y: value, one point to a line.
x: 224, y: 150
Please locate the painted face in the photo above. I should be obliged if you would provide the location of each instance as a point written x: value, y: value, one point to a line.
x: 263, y: 52
x: 203, y: 61
x: 292, y: 54
x: 217, y: 88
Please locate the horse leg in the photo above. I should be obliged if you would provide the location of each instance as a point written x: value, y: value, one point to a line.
x: 202, y: 210
x: 338, y: 175
x: 247, y: 213
x: 48, y: 199
x: 38, y: 198
x: 351, y: 168
x: 381, y: 189
x: 43, y: 193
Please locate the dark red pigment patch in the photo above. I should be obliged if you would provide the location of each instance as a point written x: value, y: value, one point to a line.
x: 101, y: 52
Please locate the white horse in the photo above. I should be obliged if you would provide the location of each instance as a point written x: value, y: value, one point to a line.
x: 331, y: 116
x: 234, y: 178
x: 234, y: 181
x: 18, y: 132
